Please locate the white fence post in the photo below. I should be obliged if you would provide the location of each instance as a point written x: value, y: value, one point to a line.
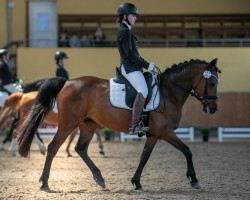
x: 191, y: 131
x: 220, y: 134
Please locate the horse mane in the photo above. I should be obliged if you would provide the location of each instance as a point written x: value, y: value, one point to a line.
x: 181, y: 66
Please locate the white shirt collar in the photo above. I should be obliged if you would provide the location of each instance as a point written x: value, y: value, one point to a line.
x: 125, y: 22
x: 6, y: 61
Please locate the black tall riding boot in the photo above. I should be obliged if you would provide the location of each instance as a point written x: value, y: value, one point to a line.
x: 138, y: 104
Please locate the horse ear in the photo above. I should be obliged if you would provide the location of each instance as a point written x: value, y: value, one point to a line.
x: 213, y: 63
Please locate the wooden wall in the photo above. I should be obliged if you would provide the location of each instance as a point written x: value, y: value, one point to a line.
x: 233, y: 110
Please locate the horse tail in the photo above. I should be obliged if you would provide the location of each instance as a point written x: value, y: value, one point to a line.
x: 11, y: 105
x: 43, y: 103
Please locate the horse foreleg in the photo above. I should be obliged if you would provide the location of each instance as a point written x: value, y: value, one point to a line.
x: 71, y: 138
x: 99, y: 138
x: 177, y: 143
x: 148, y: 148
x: 53, y: 147
x: 81, y: 148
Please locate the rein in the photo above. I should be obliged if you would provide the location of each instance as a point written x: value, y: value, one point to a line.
x: 158, y: 80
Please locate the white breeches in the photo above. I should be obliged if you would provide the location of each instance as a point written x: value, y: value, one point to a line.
x: 137, y: 80
x: 12, y: 87
x: 3, y: 97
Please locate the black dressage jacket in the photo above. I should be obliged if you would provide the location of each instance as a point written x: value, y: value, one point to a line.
x: 61, y: 72
x: 5, y: 75
x: 127, y: 45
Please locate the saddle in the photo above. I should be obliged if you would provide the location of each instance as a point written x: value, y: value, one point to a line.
x: 122, y: 91
x: 130, y: 90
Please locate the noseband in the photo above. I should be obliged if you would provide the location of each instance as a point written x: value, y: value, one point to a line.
x: 206, y: 74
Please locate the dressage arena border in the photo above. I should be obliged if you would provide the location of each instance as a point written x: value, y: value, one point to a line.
x: 181, y: 133
x: 50, y: 132
x: 233, y: 132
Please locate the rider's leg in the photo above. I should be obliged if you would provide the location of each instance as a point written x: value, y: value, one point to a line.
x: 137, y: 80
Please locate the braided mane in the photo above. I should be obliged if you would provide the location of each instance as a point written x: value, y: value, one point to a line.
x: 181, y: 66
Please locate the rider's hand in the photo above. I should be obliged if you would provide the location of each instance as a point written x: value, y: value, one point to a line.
x: 151, y: 66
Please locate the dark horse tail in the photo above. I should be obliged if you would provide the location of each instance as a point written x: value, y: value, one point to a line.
x: 44, y: 102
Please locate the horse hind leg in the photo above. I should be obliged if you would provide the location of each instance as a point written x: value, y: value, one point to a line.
x: 53, y: 147
x: 177, y: 143
x: 71, y: 138
x: 40, y: 143
x: 86, y: 133
x: 99, y: 138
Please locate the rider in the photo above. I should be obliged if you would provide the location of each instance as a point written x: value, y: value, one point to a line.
x: 7, y: 80
x: 60, y: 58
x: 131, y: 63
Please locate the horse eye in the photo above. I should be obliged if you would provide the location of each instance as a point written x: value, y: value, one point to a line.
x: 212, y: 84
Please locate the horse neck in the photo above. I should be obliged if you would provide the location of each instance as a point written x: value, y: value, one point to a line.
x: 179, y: 85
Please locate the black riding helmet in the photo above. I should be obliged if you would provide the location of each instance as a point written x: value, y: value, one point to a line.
x: 127, y: 8
x: 3, y: 52
x: 60, y: 55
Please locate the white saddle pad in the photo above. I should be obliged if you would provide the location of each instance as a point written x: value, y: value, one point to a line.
x: 3, y: 97
x: 117, y: 96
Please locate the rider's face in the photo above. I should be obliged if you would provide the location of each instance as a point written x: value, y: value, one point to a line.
x: 132, y: 18
x: 64, y: 61
x: 6, y: 57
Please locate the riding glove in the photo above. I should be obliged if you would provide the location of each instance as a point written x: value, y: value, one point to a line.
x: 151, y: 66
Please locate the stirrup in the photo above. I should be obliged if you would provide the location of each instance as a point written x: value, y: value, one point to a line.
x: 138, y: 129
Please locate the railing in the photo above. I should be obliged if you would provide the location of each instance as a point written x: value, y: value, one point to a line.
x: 180, y: 132
x: 233, y: 132
x: 239, y: 42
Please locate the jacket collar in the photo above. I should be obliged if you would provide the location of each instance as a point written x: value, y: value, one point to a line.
x: 124, y: 22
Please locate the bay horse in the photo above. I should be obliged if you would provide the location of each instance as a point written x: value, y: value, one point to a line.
x: 22, y: 102
x: 84, y: 102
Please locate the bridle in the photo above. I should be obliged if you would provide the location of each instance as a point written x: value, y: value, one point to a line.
x: 207, y: 75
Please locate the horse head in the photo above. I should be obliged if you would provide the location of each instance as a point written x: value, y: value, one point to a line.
x: 206, y: 88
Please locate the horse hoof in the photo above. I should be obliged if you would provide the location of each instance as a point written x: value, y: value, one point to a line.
x: 139, y: 189
x: 13, y: 154
x: 69, y: 155
x: 45, y: 188
x: 101, y: 182
x: 195, y: 185
x: 102, y: 152
x: 42, y: 152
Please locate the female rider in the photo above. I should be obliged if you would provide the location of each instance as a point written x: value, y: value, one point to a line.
x: 131, y: 63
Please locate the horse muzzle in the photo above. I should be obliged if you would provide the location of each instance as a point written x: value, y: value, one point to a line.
x: 210, y: 106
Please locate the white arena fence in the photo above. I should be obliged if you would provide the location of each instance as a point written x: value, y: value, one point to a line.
x: 50, y: 132
x: 180, y: 132
x: 233, y: 132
